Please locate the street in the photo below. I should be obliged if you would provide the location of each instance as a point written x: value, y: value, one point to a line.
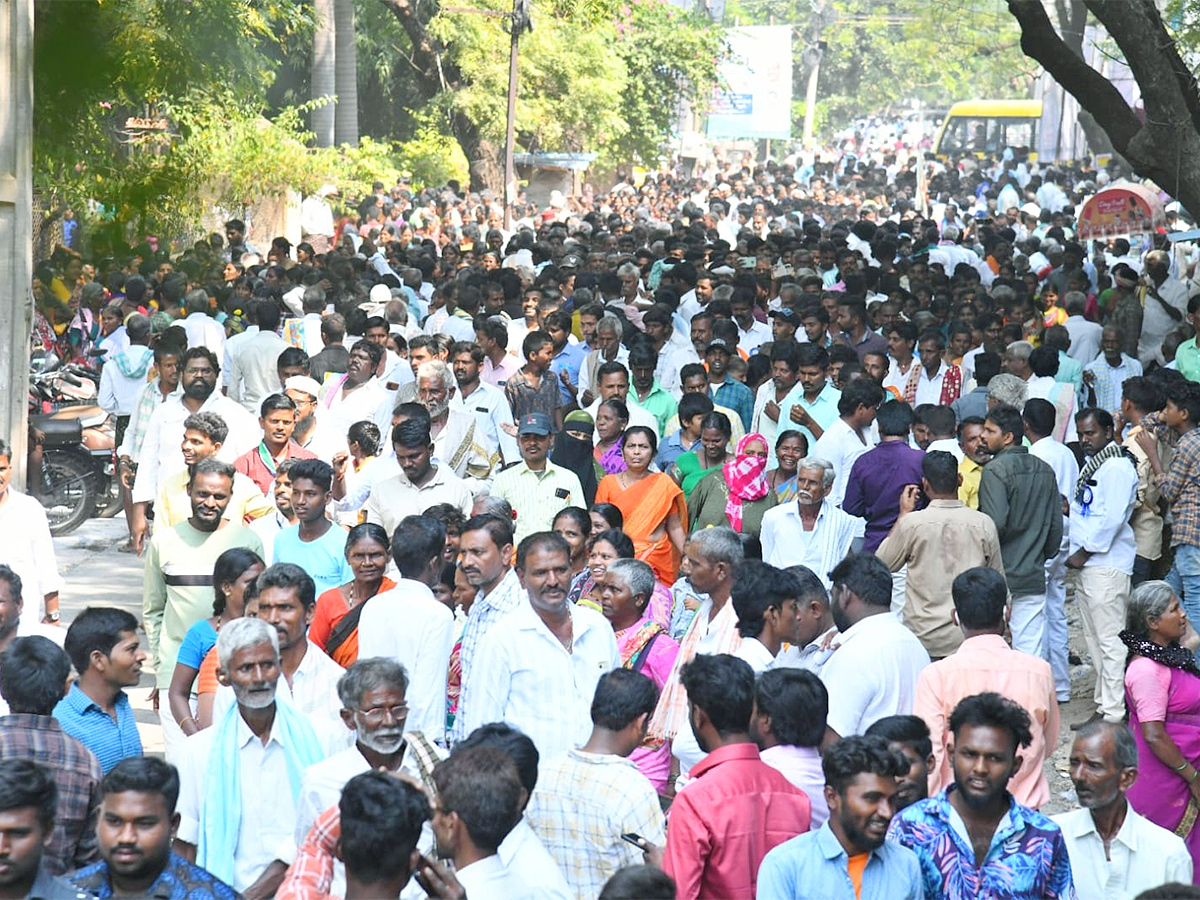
x: 96, y: 574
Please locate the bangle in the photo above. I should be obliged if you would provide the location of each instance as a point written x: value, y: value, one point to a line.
x: 1180, y: 767
x: 1195, y: 774
x: 188, y: 719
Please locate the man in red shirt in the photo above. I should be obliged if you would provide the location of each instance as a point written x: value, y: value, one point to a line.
x: 737, y: 807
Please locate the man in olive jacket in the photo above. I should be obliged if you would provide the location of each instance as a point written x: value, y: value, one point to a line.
x: 1019, y: 492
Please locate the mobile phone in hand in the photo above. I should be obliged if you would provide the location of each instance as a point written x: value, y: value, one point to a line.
x: 636, y: 839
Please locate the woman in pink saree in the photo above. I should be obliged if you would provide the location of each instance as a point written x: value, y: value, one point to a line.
x: 624, y: 590
x: 1162, y: 689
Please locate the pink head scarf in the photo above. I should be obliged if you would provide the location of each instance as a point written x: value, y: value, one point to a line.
x: 747, y: 479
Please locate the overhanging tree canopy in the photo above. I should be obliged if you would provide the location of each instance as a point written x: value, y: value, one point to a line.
x: 1164, y: 145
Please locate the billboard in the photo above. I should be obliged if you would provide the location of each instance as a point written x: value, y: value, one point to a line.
x: 754, y: 95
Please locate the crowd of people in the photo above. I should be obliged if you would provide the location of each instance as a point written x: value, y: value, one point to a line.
x: 708, y: 538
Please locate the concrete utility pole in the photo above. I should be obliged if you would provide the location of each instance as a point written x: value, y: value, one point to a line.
x: 822, y: 17
x: 518, y: 23
x: 16, y: 223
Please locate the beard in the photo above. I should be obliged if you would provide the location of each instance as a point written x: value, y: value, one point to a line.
x: 437, y: 410
x: 199, y: 389
x: 384, y: 741
x: 253, y: 696
x: 860, y: 838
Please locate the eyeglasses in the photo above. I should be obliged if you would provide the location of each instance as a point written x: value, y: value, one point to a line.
x: 377, y: 714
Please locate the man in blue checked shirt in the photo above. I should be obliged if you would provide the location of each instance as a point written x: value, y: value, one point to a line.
x: 848, y: 857
x: 104, y: 648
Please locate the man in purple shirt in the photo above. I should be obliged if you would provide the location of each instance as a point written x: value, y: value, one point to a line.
x: 878, y: 477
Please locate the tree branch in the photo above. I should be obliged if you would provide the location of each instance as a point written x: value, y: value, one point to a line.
x: 1168, y: 86
x: 1094, y: 92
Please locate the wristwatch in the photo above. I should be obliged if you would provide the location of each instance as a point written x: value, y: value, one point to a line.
x: 53, y: 615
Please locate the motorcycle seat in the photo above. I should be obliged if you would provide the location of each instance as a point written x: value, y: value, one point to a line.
x: 58, y: 430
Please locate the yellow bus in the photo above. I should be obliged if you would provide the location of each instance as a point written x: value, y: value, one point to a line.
x: 987, y: 127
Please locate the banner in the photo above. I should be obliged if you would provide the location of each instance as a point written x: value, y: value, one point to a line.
x: 754, y: 99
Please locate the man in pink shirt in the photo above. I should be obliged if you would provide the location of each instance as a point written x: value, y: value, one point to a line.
x: 985, y: 662
x: 737, y: 807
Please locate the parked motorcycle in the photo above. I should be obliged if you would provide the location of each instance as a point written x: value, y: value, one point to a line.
x: 72, y: 445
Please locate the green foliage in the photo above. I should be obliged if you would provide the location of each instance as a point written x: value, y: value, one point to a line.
x: 881, y: 55
x: 671, y: 59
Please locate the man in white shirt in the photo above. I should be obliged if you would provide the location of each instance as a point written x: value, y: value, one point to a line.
x: 408, y: 625
x: 254, y: 374
x: 524, y: 653
x: 1115, y: 853
x: 202, y: 329
x: 1085, y: 335
x: 873, y: 673
x: 1102, y: 553
x: 612, y: 382
x: 751, y: 332
x: 287, y: 599
x: 522, y: 851
x: 849, y: 436
x: 810, y: 531
x: 478, y: 802
x: 485, y: 402
x: 237, y: 796
x: 160, y: 457
x: 373, y: 695
x: 27, y: 548
x: 420, y: 484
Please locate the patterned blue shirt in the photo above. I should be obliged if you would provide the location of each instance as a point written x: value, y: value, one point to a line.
x: 179, y: 880
x: 1027, y: 859
x: 1108, y: 381
x: 737, y: 397
x: 83, y: 719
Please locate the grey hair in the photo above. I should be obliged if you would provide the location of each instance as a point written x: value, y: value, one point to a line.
x: 609, y: 324
x: 723, y: 292
x: 638, y: 576
x: 1003, y: 294
x: 1020, y: 349
x: 951, y: 232
x: 1007, y: 389
x: 719, y: 545
x: 826, y: 467
x: 1149, y: 600
x: 1075, y: 303
x: 314, y: 295
x: 628, y: 269
x: 1125, y: 750
x: 396, y: 311
x: 196, y: 301
x: 242, y: 634
x: 436, y: 368
x: 368, y: 675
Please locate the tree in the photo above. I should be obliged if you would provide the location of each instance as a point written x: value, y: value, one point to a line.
x: 324, y: 83
x: 346, y: 74
x: 593, y: 76
x: 1164, y: 143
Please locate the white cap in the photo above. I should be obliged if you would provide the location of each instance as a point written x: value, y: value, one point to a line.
x: 304, y: 384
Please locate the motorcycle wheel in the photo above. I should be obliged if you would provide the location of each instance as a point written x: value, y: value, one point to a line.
x: 109, y: 503
x: 68, y: 492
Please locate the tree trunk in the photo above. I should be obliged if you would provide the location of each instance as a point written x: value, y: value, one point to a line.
x: 1166, y: 146
x: 345, y: 75
x: 436, y: 75
x: 323, y: 83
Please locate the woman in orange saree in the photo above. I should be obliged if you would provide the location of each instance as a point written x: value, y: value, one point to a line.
x: 653, y: 505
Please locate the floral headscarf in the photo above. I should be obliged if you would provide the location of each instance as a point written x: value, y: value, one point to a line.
x: 747, y: 479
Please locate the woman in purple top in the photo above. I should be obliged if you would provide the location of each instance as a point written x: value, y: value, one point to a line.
x: 625, y: 589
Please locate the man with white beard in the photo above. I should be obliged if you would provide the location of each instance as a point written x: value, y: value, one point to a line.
x: 374, y: 708
x: 456, y: 441
x: 237, y: 799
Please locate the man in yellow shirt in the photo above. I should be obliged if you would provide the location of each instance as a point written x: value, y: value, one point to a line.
x: 203, y: 435
x: 975, y: 454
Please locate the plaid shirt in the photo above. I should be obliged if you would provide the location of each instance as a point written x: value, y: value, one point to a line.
x: 584, y: 802
x: 485, y: 612
x: 77, y: 774
x: 310, y: 876
x: 1181, y: 488
x: 149, y: 398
